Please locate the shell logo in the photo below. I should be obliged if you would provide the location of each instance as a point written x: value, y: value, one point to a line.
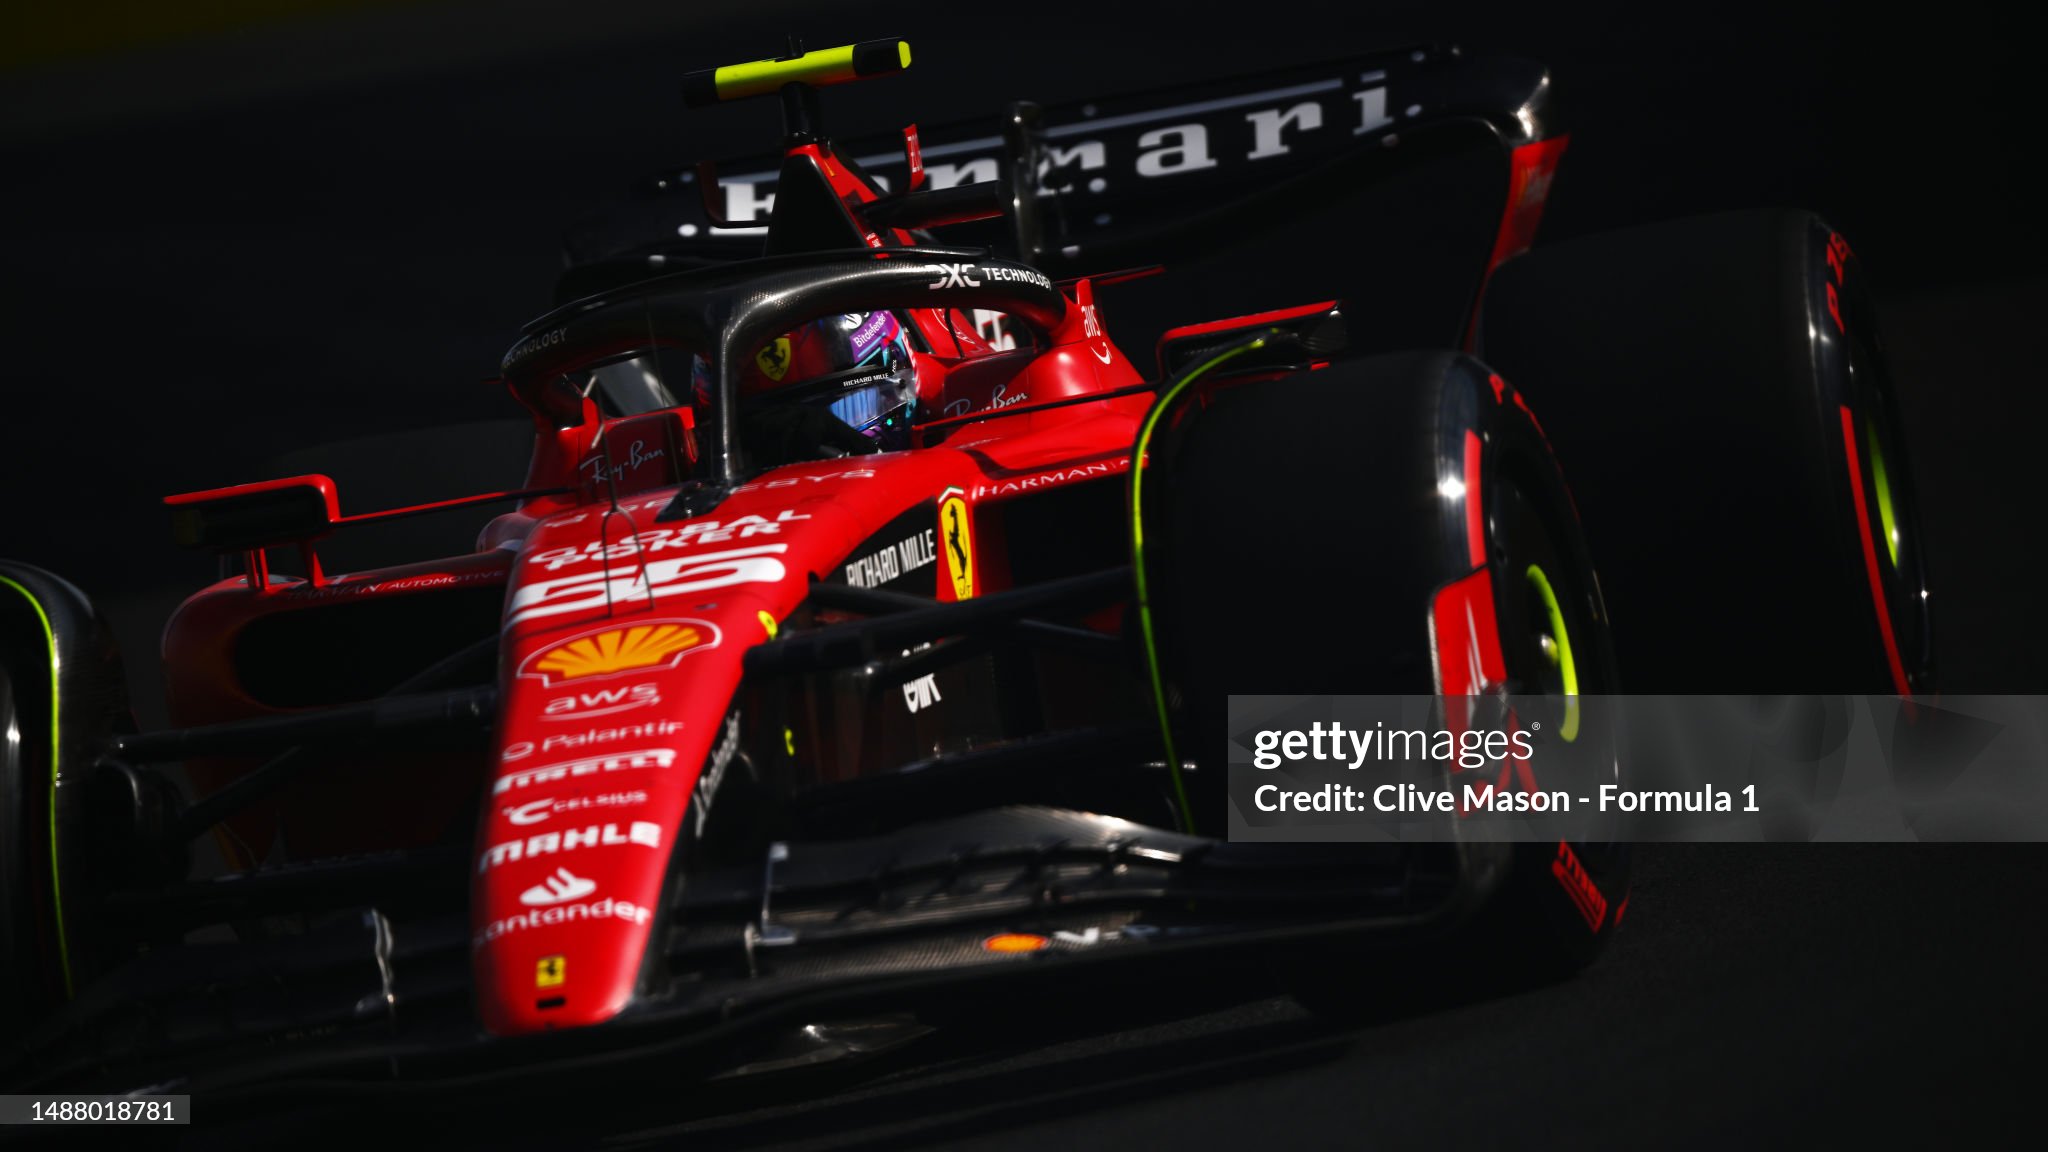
x: 610, y: 651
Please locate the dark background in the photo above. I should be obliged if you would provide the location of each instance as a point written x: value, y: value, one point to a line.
x: 287, y: 230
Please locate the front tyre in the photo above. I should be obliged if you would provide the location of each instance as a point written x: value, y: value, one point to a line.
x: 61, y: 696
x: 1391, y: 526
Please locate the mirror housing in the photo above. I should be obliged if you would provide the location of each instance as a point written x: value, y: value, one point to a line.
x: 269, y: 513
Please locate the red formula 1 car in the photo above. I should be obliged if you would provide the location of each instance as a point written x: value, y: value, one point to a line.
x: 863, y: 623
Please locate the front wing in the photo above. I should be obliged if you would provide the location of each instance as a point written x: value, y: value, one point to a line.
x: 817, y: 931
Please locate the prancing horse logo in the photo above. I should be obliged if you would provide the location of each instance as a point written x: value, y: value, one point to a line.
x: 954, y: 527
x: 773, y: 358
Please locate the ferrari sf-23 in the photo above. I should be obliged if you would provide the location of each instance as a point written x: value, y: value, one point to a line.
x: 862, y: 628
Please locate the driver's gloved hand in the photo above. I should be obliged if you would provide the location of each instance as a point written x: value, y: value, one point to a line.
x: 787, y: 433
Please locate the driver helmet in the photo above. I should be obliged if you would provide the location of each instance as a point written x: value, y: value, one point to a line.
x: 856, y: 365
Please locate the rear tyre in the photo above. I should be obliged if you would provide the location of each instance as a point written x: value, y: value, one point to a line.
x: 1720, y: 389
x: 1315, y: 535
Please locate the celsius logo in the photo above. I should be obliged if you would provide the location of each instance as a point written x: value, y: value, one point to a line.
x: 536, y: 811
x: 532, y: 813
x: 955, y: 276
x: 563, y: 886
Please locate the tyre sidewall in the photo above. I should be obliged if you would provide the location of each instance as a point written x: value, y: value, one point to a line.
x: 1314, y: 571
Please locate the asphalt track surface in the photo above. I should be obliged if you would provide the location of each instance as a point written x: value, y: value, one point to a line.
x: 1881, y: 994
x: 1758, y: 995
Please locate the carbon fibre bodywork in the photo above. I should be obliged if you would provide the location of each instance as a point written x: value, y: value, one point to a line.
x: 816, y: 932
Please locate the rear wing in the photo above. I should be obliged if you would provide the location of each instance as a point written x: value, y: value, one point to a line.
x: 1125, y: 180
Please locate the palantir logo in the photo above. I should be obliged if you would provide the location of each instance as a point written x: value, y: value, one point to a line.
x: 563, y: 886
x: 955, y: 276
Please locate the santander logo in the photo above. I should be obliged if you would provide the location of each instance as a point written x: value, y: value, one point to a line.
x: 563, y: 886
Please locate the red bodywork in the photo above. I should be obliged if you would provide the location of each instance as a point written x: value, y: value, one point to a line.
x: 622, y: 637
x: 622, y: 642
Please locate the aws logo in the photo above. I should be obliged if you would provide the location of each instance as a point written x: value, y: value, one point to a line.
x: 610, y: 651
x: 583, y: 705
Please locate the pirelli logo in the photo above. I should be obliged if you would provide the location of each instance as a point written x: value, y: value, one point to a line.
x: 589, y: 766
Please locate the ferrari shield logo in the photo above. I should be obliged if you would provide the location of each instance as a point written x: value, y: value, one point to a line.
x: 550, y: 972
x: 958, y: 535
x: 773, y: 358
